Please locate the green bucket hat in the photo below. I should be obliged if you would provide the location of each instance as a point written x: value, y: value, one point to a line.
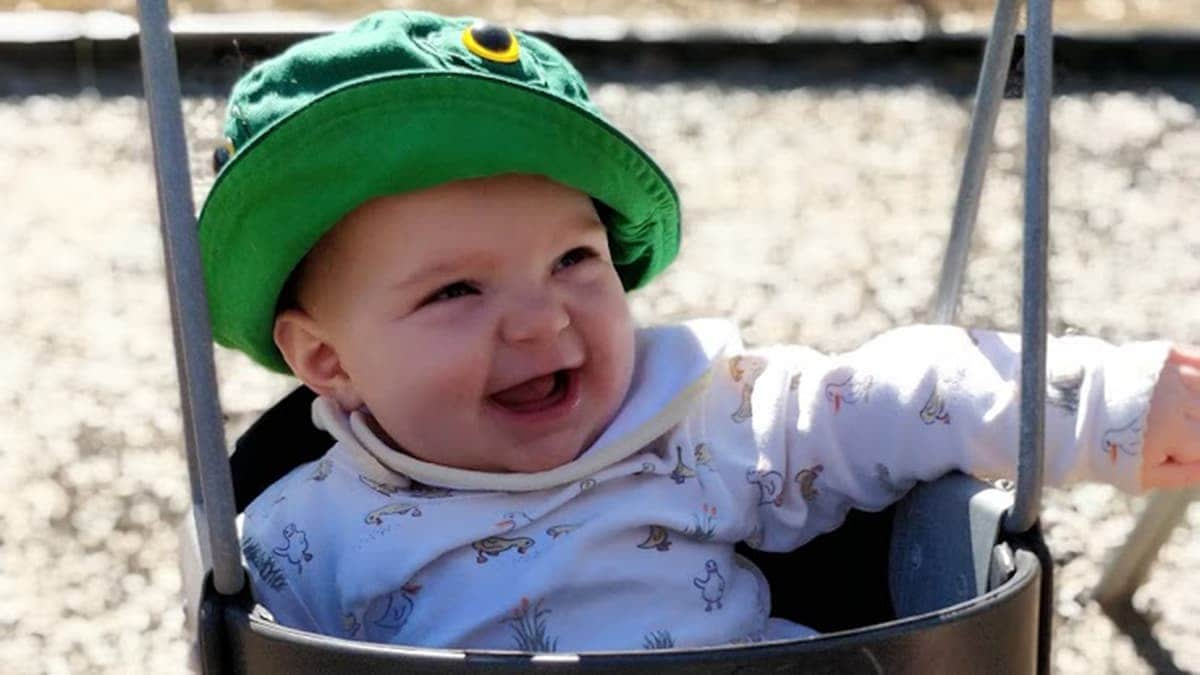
x: 403, y: 101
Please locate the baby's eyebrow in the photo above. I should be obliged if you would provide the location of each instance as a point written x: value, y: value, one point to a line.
x: 583, y: 226
x: 445, y: 266
x: 591, y: 222
x: 458, y: 263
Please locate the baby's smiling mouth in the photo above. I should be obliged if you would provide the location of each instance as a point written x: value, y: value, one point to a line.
x: 534, y: 394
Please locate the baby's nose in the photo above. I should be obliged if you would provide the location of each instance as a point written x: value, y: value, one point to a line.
x: 534, y: 317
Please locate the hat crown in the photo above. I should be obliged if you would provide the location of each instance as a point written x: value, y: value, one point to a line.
x: 390, y: 43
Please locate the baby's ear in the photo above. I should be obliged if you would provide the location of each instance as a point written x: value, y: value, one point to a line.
x: 313, y: 357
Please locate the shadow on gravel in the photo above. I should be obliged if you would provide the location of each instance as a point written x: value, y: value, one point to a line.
x: 1141, y: 631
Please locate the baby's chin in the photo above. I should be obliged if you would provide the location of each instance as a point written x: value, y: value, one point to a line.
x: 523, y: 466
x: 522, y: 460
x: 548, y: 463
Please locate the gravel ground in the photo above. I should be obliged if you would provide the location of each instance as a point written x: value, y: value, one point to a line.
x: 814, y: 212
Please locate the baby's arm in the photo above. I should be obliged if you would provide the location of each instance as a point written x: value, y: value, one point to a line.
x: 1171, y: 451
x: 860, y: 428
x: 943, y: 398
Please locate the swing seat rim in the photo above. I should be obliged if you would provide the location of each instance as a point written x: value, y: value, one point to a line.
x: 976, y: 631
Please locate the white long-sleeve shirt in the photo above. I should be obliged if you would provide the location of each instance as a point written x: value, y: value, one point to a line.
x: 631, y: 545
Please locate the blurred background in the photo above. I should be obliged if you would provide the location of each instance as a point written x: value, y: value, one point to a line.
x: 817, y: 190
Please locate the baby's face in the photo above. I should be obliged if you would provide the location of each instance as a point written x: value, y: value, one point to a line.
x: 481, y: 322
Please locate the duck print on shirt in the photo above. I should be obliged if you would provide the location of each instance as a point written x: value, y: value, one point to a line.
x: 376, y: 517
x: 513, y: 520
x: 494, y: 546
x: 770, y: 485
x: 852, y: 389
x: 703, y: 456
x: 392, y: 611
x: 935, y: 407
x: 295, y: 547
x: 746, y: 369
x: 659, y: 539
x: 682, y: 471
x: 1126, y: 439
x: 712, y: 586
x: 556, y: 531
x: 807, y: 480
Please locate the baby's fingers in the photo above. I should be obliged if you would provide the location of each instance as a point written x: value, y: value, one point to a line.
x: 1171, y: 451
x: 1171, y: 474
x: 1189, y: 377
x: 1184, y: 354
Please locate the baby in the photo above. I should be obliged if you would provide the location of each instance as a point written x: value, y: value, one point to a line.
x: 427, y: 222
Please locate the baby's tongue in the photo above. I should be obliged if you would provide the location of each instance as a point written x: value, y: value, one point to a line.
x: 530, y: 391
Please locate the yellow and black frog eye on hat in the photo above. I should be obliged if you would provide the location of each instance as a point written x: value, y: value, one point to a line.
x: 492, y: 42
x: 222, y: 155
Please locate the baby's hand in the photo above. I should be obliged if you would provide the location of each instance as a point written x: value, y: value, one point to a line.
x: 1171, y: 448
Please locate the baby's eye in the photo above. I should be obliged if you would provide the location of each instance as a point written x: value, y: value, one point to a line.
x: 457, y: 289
x: 574, y: 257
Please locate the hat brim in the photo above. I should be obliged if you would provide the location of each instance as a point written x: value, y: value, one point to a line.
x: 401, y: 132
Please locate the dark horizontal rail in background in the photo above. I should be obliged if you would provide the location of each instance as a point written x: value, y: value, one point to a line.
x: 215, y: 58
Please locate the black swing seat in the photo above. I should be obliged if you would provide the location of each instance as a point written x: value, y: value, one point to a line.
x: 932, y: 584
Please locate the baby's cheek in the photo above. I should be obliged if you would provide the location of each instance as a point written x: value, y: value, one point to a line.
x: 613, y: 344
x: 424, y: 412
x: 432, y: 382
x: 618, y: 324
